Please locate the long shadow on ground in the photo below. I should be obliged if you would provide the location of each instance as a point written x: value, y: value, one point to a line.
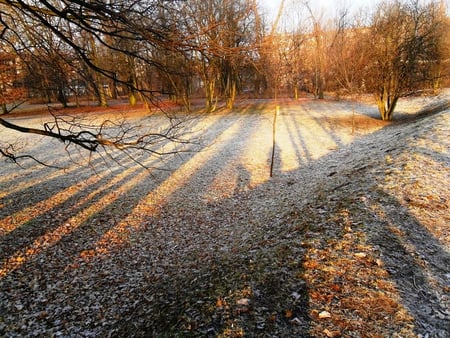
x: 278, y: 277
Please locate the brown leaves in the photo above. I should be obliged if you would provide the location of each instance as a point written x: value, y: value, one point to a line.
x: 214, y: 249
x: 343, y: 275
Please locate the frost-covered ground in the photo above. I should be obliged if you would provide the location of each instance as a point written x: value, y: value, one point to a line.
x: 350, y: 237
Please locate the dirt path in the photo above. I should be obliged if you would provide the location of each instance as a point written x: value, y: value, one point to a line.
x: 349, y: 238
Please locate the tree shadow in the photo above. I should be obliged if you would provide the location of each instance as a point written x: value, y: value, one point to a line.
x: 57, y: 215
x: 101, y: 199
x: 254, y: 288
x: 250, y: 286
x: 415, y: 260
x: 37, y: 184
x: 73, y: 253
x: 296, y: 137
x: 428, y: 110
x: 193, y: 273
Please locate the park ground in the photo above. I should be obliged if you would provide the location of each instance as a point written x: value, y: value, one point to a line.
x: 350, y: 237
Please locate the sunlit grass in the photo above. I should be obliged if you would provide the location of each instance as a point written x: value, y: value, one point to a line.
x: 87, y: 210
x: 149, y: 205
x: 334, y: 255
x: 19, y: 218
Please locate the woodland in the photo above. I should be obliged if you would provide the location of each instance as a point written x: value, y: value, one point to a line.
x: 202, y: 169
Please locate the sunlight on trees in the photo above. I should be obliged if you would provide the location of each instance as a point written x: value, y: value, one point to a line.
x: 154, y: 51
x: 12, y: 92
x: 403, y: 50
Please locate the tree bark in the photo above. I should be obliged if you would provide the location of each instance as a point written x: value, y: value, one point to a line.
x: 386, y: 103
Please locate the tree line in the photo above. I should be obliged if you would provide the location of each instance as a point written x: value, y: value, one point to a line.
x: 61, y: 50
x: 58, y: 50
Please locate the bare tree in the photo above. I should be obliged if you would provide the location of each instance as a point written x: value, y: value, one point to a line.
x: 225, y: 33
x: 403, y: 50
x: 440, y: 72
x: 46, y: 68
x: 348, y: 54
x: 93, y: 21
x: 318, y: 52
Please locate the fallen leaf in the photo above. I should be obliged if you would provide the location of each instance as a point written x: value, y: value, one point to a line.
x: 331, y: 334
x: 324, y: 315
x: 335, y: 287
x: 243, y: 302
x: 310, y: 265
x: 296, y: 321
x: 295, y: 295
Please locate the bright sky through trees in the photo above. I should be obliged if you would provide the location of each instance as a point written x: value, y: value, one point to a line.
x: 329, y: 6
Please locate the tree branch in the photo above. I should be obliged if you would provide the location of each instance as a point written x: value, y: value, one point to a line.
x: 107, y: 136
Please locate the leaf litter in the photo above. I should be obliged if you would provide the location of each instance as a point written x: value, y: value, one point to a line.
x: 349, y: 238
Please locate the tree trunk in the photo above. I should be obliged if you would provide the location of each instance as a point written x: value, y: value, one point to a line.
x: 210, y: 88
x: 231, y: 95
x: 386, y: 103
x: 132, y: 100
x: 437, y: 81
x: 97, y: 78
x: 62, y: 96
x: 102, y: 100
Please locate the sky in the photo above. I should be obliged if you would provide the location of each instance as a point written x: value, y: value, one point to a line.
x: 293, y: 12
x: 329, y: 7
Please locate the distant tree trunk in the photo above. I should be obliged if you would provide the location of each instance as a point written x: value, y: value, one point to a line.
x: 319, y: 55
x: 113, y: 86
x: 209, y: 82
x: 132, y: 81
x: 101, y: 94
x: 62, y: 98
x: 99, y: 90
x: 231, y: 91
x: 210, y: 88
x: 318, y: 90
x: 386, y: 103
x: 296, y: 92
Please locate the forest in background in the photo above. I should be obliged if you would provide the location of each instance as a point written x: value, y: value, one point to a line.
x: 65, y: 51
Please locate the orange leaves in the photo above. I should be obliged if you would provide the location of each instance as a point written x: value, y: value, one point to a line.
x: 220, y: 303
x: 348, y: 290
x: 321, y: 296
x: 370, y: 305
x: 331, y: 334
x: 311, y: 265
x: 288, y: 313
x: 335, y: 287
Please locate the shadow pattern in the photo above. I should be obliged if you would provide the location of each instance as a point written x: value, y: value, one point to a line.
x: 274, y: 271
